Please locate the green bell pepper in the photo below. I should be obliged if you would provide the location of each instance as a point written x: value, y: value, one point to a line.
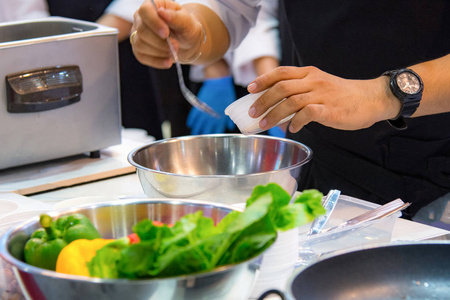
x: 45, y: 244
x: 76, y: 226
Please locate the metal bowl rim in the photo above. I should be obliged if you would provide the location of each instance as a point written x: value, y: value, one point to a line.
x: 131, y: 155
x: 22, y: 266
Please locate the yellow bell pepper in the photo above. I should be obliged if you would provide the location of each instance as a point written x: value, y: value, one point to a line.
x: 73, y: 258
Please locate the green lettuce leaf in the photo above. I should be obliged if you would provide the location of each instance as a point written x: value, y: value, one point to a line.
x: 194, y: 244
x: 104, y: 263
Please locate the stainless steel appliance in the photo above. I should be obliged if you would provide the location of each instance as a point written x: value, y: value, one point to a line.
x: 59, y: 95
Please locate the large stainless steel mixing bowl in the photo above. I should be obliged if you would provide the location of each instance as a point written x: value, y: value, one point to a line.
x: 220, y: 167
x: 115, y: 219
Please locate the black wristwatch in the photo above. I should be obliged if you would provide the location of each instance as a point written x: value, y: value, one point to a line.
x: 407, y: 86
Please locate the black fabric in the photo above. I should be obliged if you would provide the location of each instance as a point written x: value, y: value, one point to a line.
x: 140, y: 105
x: 364, y: 38
x: 87, y: 10
x: 289, y: 56
x: 360, y: 39
x: 175, y: 106
x: 140, y: 108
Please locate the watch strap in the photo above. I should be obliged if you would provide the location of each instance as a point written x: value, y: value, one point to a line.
x: 399, y: 123
x: 409, y: 104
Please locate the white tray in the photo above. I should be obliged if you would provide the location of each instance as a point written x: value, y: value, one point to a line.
x: 15, y: 208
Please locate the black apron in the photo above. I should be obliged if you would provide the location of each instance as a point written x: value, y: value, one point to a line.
x: 140, y: 106
x: 360, y: 39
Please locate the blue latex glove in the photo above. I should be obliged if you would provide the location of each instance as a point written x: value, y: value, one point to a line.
x: 277, y: 132
x: 217, y: 93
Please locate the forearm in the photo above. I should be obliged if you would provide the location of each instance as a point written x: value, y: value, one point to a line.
x: 217, y: 38
x: 217, y: 69
x: 122, y: 25
x: 265, y: 64
x: 436, y: 80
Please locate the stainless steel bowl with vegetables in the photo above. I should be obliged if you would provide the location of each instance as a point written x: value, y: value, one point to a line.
x: 223, y: 167
x: 153, y: 248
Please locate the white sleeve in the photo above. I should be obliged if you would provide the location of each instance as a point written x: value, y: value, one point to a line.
x: 262, y: 40
x: 237, y: 15
x: 16, y: 10
x: 124, y: 9
x: 196, y: 73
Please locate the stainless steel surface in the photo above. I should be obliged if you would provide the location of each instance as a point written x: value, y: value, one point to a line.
x: 220, y: 167
x: 393, y: 211
x: 91, y: 124
x: 377, y: 213
x: 113, y: 220
x: 329, y: 204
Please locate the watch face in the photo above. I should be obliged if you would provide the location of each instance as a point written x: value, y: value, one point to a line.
x: 408, y: 83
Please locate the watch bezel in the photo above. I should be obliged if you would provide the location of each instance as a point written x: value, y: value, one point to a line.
x: 409, y: 102
x: 399, y: 93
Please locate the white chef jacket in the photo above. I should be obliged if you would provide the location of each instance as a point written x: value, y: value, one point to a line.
x: 16, y: 10
x: 124, y: 9
x: 262, y: 40
x: 237, y: 15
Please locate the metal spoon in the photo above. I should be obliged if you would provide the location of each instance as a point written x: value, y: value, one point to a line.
x: 187, y: 94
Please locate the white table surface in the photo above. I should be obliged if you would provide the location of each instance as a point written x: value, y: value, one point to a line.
x: 65, y: 172
x: 129, y: 186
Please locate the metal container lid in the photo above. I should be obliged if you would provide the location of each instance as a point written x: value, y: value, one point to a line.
x: 27, y: 32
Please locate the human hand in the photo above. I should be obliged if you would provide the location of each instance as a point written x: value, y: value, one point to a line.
x: 217, y: 93
x: 316, y: 96
x: 153, y: 26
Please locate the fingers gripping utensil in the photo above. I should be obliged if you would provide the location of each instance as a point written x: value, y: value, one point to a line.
x: 329, y: 203
x: 187, y: 94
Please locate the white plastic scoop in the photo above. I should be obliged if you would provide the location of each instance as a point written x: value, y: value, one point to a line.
x: 238, y: 112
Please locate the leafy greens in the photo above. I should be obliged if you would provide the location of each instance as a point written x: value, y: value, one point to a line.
x: 195, y: 244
